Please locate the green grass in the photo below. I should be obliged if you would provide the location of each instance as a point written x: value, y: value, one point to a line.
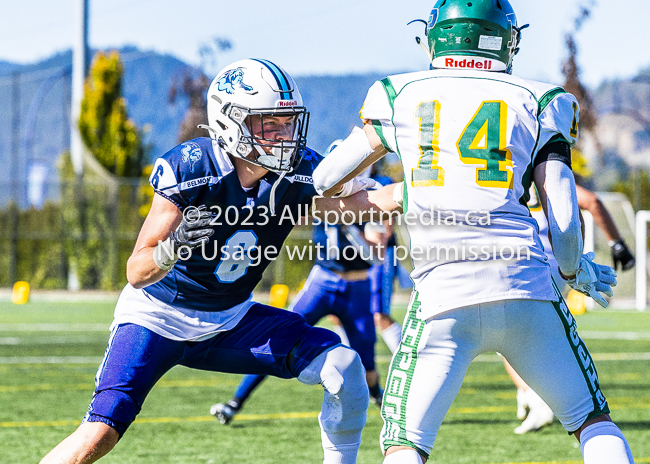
x: 40, y: 404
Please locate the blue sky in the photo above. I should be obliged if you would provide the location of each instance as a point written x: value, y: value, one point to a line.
x: 330, y: 37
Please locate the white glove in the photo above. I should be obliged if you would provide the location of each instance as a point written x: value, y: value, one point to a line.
x: 592, y: 279
x: 356, y: 185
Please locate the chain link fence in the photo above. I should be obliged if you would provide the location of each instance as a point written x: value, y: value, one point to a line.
x: 79, y: 235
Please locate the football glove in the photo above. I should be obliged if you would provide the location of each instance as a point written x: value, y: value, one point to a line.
x: 356, y: 185
x: 621, y: 256
x: 193, y: 230
x: 592, y: 279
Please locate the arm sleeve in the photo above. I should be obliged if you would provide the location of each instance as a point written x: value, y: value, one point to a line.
x: 378, y: 110
x: 563, y: 216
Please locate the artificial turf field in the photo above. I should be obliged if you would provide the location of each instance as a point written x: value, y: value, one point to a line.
x: 49, y: 353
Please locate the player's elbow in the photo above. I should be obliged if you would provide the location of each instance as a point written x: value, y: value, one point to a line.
x: 133, y: 276
x: 589, y: 201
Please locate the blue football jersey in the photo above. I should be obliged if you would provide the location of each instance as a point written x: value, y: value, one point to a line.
x: 337, y: 253
x: 246, y: 236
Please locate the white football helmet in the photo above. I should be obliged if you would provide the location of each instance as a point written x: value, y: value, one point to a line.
x: 255, y: 87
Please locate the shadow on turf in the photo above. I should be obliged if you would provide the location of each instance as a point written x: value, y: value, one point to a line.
x: 479, y: 421
x: 631, y: 425
x: 611, y: 386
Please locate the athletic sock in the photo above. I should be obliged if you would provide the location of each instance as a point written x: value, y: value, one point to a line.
x: 340, y: 331
x: 604, y: 443
x: 392, y: 335
x: 234, y: 403
x: 341, y: 448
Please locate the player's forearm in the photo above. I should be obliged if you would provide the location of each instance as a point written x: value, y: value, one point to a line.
x: 141, y: 269
x: 363, y: 206
x: 347, y: 160
x: 563, y: 217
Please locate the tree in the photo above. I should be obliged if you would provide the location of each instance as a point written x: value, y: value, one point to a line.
x: 571, y: 72
x: 100, y: 208
x: 194, y: 86
x: 108, y: 133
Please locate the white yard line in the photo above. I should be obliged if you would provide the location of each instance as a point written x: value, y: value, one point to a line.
x: 54, y: 327
x: 600, y: 357
x: 51, y: 360
x: 60, y: 340
x: 604, y: 335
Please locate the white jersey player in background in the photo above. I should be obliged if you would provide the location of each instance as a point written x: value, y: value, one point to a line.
x: 471, y: 137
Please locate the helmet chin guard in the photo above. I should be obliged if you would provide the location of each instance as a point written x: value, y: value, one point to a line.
x: 274, y: 155
x: 257, y: 88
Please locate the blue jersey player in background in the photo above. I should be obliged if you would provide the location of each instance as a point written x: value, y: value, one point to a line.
x: 215, y: 224
x: 382, y: 274
x: 338, y: 285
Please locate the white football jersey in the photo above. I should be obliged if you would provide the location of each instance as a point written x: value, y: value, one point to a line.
x: 467, y: 141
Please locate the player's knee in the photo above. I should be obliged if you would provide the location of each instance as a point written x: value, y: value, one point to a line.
x: 342, y: 375
x: 114, y: 408
x: 99, y: 437
x: 332, y: 368
x: 89, y: 442
x: 312, y: 344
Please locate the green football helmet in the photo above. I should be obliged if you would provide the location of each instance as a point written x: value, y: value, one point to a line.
x: 479, y: 34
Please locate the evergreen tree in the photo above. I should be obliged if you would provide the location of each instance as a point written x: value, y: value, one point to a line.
x: 107, y: 132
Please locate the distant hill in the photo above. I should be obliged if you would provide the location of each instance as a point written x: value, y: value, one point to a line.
x: 44, y: 100
x: 334, y: 103
x: 45, y: 105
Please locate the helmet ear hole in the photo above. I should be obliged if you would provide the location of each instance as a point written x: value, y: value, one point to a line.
x: 499, y: 5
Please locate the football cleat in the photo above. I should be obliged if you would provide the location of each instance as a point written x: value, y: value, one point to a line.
x: 223, y: 412
x: 377, y: 396
x: 539, y: 415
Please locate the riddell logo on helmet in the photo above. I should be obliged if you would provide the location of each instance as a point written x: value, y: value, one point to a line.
x: 468, y: 63
x: 285, y: 103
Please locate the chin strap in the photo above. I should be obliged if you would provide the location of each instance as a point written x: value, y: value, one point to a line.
x: 209, y: 129
x: 275, y: 184
x: 425, y: 48
x: 272, y: 196
x: 419, y: 40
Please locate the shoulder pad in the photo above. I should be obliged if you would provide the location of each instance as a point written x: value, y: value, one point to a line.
x: 186, y: 167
